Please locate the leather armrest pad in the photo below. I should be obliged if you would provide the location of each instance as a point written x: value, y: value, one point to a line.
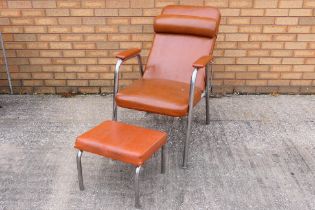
x: 202, y: 61
x: 128, y: 53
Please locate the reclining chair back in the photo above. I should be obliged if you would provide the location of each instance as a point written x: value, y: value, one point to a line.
x: 182, y: 35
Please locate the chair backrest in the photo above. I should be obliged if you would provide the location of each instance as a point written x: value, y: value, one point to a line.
x: 182, y: 35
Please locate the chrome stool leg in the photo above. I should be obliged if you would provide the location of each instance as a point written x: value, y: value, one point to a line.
x: 163, y: 160
x: 137, y: 189
x: 79, y: 167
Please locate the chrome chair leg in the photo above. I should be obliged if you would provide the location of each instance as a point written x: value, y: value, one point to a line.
x: 137, y: 188
x: 190, y: 112
x: 187, y: 140
x: 6, y: 63
x: 79, y: 167
x: 116, y: 80
x: 140, y: 64
x: 207, y: 96
x: 211, y: 76
x: 163, y: 160
x: 114, y: 112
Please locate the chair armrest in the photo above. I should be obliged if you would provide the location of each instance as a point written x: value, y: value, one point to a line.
x: 202, y: 61
x: 124, y: 55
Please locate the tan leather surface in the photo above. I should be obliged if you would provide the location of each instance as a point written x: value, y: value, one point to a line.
x: 172, y: 56
x: 183, y: 24
x: 128, y: 53
x: 158, y: 96
x: 119, y: 141
x: 202, y: 61
x: 166, y: 80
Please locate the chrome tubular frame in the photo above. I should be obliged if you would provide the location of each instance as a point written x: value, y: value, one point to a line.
x: 207, y: 95
x: 140, y: 64
x: 211, y: 75
x: 163, y: 159
x: 116, y: 82
x: 191, y: 106
x: 6, y: 63
x: 79, y: 167
x: 137, y: 188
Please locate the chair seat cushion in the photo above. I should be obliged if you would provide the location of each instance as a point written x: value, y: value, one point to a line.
x: 120, y: 141
x: 157, y: 96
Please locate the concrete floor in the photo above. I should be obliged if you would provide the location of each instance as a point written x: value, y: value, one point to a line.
x: 257, y: 153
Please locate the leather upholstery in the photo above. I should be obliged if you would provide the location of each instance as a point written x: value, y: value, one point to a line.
x: 184, y: 24
x: 119, y: 141
x: 172, y: 56
x: 157, y: 96
x: 128, y: 53
x: 183, y: 35
x: 202, y: 61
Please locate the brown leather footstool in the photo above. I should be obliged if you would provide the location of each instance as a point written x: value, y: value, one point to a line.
x: 126, y: 143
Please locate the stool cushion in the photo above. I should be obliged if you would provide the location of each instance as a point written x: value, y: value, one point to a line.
x: 119, y: 141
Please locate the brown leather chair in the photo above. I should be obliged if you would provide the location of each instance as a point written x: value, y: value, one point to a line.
x: 176, y: 74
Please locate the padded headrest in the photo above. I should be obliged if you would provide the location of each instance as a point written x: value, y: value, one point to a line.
x: 185, y: 24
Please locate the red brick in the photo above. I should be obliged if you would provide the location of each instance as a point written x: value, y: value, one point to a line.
x: 60, y: 45
x: 20, y: 4
x: 81, y: 12
x: 52, y: 68
x: 77, y: 83
x: 75, y: 68
x: 73, y: 53
x: 42, y: 76
x: 44, y: 4
x: 40, y: 61
x: 44, y: 90
x: 33, y: 12
x: 87, y: 75
x: 10, y: 13
x: 117, y: 4
x: 65, y: 76
x: 142, y: 3
x: 35, y: 29
x: 57, y: 12
x: 86, y: 60
x: 27, y: 53
x: 93, y: 3
x: 291, y: 75
x: 55, y: 82
x: 22, y: 21
x: 64, y: 61
x: 83, y: 29
x: 33, y: 83
x: 106, y: 12
x: 45, y: 21
x: 59, y: 29
x: 68, y: 4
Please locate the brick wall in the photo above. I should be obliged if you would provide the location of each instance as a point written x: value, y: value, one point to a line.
x: 69, y: 45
